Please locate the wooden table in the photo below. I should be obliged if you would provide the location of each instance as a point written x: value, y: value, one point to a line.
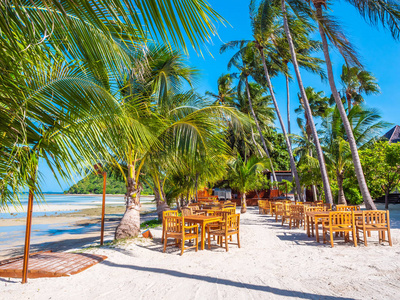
x: 312, y: 218
x: 206, y: 211
x: 202, y: 221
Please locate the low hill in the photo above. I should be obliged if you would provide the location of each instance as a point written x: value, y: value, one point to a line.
x: 93, y: 184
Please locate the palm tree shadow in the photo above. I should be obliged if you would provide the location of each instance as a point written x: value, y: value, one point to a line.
x: 227, y: 282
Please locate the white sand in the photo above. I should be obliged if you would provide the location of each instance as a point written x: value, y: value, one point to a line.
x: 273, y: 263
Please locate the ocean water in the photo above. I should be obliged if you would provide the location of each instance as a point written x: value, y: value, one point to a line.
x: 13, y: 236
x: 66, y: 204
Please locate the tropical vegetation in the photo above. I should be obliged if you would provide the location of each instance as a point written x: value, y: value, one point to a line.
x: 109, y: 84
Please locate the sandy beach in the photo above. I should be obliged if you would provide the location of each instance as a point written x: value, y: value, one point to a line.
x: 273, y: 263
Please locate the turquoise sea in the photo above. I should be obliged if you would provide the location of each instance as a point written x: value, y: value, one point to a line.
x: 65, y: 204
x: 12, y: 236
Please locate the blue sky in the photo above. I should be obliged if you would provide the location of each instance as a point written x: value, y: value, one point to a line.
x: 378, y: 51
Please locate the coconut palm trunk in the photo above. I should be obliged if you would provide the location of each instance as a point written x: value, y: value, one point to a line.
x: 288, y: 104
x: 278, y: 113
x: 341, y: 196
x: 160, y: 198
x: 259, y: 128
x: 243, y: 204
x: 130, y: 222
x: 369, y: 204
x: 255, y: 144
x: 321, y: 159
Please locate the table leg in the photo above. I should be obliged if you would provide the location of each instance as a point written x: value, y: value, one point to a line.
x: 203, y: 234
x: 308, y: 225
x: 312, y: 226
x: 316, y: 229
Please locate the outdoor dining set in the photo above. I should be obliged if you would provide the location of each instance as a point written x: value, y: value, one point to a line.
x: 209, y: 220
x: 336, y: 220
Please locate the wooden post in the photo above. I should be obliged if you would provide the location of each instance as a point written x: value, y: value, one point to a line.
x: 27, y: 237
x: 103, y: 208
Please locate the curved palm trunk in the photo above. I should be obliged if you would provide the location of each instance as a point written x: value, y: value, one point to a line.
x: 322, y: 165
x: 288, y: 104
x: 278, y: 113
x: 129, y: 225
x: 160, y: 198
x: 243, y: 204
x: 341, y: 197
x: 259, y: 129
x: 309, y: 133
x: 369, y: 204
x: 255, y: 143
x: 130, y: 222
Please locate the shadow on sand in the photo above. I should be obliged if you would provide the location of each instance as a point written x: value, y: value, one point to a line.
x: 227, y: 282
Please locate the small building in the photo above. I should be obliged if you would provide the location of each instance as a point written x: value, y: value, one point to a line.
x: 393, y: 135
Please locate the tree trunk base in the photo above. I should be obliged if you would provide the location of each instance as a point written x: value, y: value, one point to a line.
x: 161, y: 207
x: 130, y: 224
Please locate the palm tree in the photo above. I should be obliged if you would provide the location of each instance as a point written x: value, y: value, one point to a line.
x: 266, y: 34
x: 242, y: 176
x: 241, y: 61
x: 226, y: 90
x: 388, y: 13
x: 49, y: 33
x: 322, y: 165
x: 262, y: 109
x: 302, y: 31
x: 319, y: 107
x: 355, y: 83
x: 366, y: 128
x: 182, y: 123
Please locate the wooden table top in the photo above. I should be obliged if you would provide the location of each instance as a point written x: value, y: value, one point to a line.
x: 201, y: 218
x: 326, y: 213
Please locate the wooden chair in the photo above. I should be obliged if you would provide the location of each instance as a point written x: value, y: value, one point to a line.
x: 229, y: 228
x: 261, y: 206
x: 281, y: 210
x: 166, y: 214
x: 347, y: 207
x: 186, y: 211
x: 312, y: 208
x: 231, y: 210
x: 175, y: 228
x: 217, y: 225
x: 374, y: 220
x: 286, y: 212
x: 296, y: 215
x: 340, y: 221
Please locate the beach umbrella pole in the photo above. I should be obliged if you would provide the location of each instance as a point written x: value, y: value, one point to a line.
x: 103, y: 208
x: 27, y: 237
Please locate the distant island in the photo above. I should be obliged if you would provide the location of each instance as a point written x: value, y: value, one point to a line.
x: 93, y: 184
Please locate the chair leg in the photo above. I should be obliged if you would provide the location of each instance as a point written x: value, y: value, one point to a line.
x: 354, y: 236
x: 165, y: 244
x: 197, y: 242
x: 182, y: 246
x: 238, y: 240
x: 226, y: 243
x: 331, y: 235
x: 365, y: 238
x: 389, y: 237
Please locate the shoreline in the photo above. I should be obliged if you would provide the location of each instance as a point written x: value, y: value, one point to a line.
x: 64, y: 231
x: 117, y: 195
